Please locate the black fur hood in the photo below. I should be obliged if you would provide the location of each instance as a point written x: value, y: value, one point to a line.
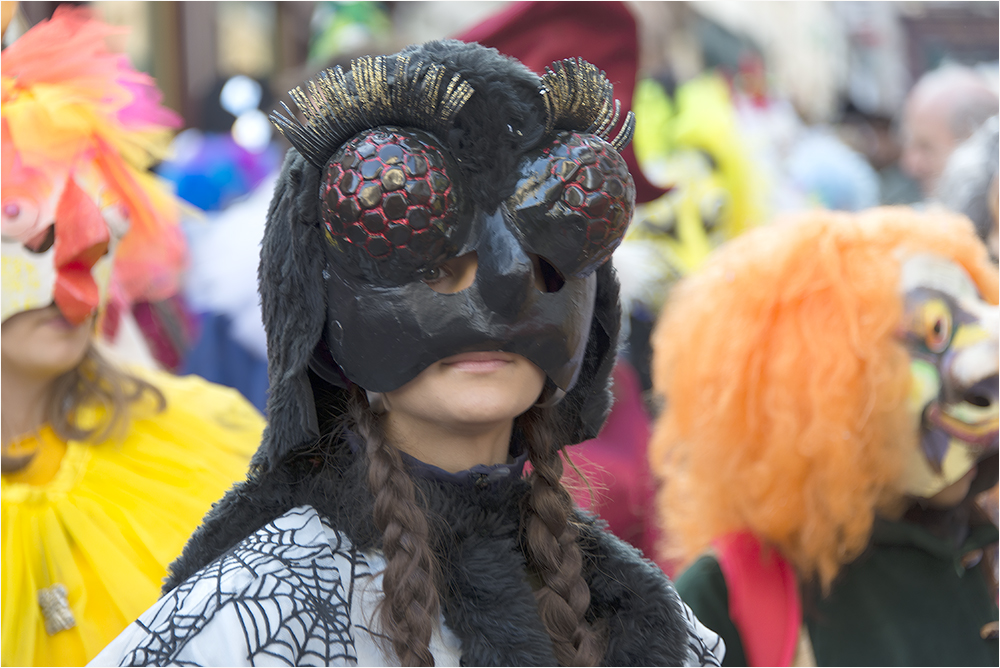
x: 499, y: 124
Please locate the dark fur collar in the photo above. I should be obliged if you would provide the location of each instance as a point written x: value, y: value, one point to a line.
x: 486, y: 597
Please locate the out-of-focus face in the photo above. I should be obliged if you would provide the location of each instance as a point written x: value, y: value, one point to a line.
x: 927, y: 142
x: 952, y: 337
x: 694, y: 217
x: 42, y: 343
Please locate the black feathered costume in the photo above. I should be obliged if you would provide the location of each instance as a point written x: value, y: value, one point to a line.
x: 487, y: 157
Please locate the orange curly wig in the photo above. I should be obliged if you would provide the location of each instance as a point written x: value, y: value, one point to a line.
x: 786, y: 386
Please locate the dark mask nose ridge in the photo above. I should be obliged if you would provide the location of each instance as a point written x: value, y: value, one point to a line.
x: 505, y: 277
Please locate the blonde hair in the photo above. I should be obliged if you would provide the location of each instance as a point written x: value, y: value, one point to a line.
x: 93, y: 383
x: 786, y: 385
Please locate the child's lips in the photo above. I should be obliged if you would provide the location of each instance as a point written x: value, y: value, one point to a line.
x: 479, y: 362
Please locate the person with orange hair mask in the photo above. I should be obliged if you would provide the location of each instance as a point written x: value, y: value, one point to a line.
x: 105, y: 472
x: 830, y: 388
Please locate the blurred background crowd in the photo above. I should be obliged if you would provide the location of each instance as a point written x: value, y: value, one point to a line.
x: 745, y: 111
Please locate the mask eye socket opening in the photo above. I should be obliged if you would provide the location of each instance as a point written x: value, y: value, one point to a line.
x: 937, y: 326
x: 547, y: 277
x: 42, y: 242
x: 977, y: 399
x: 663, y: 221
x: 452, y: 275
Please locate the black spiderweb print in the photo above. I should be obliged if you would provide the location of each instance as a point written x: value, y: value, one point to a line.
x: 294, y: 611
x: 703, y: 648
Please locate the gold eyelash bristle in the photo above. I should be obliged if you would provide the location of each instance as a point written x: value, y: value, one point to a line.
x: 578, y: 96
x: 339, y: 106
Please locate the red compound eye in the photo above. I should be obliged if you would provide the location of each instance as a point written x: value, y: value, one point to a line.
x: 573, y: 202
x: 389, y: 205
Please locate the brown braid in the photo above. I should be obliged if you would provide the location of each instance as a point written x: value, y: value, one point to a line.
x: 409, y: 609
x: 554, y: 553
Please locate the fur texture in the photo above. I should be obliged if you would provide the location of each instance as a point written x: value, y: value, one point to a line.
x: 486, y: 598
x: 502, y: 120
x: 587, y: 405
x: 293, y: 301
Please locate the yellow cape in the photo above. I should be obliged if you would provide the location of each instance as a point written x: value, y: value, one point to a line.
x: 105, y: 520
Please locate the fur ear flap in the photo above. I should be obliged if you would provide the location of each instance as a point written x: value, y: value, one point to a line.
x: 293, y: 301
x: 586, y: 406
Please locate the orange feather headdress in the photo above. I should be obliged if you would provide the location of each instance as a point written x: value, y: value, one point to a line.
x: 71, y: 106
x: 785, y: 383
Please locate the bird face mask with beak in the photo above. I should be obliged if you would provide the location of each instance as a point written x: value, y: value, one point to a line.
x: 80, y: 129
x: 398, y: 199
x: 58, y: 241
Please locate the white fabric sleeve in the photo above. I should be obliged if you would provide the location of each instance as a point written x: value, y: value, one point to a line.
x: 705, y: 647
x: 277, y: 599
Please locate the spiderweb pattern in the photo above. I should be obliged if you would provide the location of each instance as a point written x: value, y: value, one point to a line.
x: 280, y: 585
x: 704, y: 646
x: 282, y: 591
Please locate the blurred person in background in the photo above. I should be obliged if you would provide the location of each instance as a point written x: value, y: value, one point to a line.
x: 227, y: 168
x: 105, y: 471
x: 830, y: 387
x: 826, y: 173
x: 876, y: 138
x: 969, y: 182
x: 941, y: 111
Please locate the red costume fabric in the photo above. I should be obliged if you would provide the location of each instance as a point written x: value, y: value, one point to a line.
x: 764, y: 598
x: 615, y: 467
